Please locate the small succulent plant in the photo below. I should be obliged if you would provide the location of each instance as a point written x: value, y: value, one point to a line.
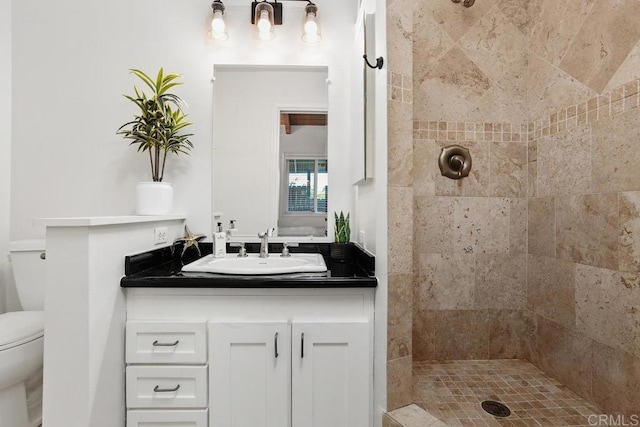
x: 342, y: 229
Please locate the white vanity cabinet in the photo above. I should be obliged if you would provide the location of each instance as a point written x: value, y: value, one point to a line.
x: 166, y: 374
x: 315, y: 374
x: 276, y: 357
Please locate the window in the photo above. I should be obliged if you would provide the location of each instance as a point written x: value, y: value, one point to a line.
x: 307, y: 185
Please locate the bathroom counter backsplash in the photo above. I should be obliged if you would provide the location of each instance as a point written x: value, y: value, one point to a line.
x: 162, y: 268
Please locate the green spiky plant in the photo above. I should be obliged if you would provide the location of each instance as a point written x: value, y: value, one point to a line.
x: 342, y: 229
x: 160, y: 120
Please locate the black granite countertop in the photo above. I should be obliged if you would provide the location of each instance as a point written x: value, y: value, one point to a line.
x: 162, y: 268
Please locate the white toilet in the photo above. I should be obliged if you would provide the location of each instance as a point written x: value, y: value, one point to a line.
x: 22, y: 338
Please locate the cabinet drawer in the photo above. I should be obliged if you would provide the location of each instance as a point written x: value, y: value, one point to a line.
x: 167, y: 418
x: 166, y: 342
x: 166, y: 386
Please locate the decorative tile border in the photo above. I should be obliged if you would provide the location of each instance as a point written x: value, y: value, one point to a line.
x: 400, y: 87
x: 612, y: 103
x: 470, y: 131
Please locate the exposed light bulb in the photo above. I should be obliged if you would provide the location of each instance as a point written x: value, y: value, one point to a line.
x: 264, y: 26
x: 311, y: 33
x: 218, y: 26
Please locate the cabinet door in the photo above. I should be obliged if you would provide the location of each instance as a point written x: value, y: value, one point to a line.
x: 249, y: 366
x: 330, y: 375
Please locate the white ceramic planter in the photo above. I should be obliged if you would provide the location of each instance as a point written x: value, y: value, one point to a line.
x: 154, y: 198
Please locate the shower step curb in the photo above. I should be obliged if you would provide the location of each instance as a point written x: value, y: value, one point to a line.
x: 411, y: 416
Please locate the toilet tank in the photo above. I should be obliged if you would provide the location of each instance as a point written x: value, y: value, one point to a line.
x: 28, y: 264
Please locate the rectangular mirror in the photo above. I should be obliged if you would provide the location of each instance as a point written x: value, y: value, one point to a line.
x: 270, y: 166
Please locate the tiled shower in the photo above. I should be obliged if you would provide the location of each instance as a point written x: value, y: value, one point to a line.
x: 534, y: 255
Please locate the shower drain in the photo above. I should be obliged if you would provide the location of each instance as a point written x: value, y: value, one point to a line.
x: 496, y: 409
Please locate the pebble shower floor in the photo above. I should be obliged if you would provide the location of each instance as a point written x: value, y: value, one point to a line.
x: 454, y: 390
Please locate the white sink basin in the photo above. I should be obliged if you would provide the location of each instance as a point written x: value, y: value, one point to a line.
x: 254, y: 265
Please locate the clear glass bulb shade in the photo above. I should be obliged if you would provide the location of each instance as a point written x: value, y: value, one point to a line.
x: 265, y: 27
x: 219, y: 27
x: 311, y: 33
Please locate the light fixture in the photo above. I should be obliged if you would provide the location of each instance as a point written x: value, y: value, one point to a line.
x: 218, y: 26
x: 264, y: 16
x: 311, y: 33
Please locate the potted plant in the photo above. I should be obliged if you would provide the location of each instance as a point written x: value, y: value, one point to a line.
x: 157, y: 129
x: 341, y: 248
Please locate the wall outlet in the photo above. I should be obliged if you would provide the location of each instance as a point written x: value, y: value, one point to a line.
x: 159, y: 235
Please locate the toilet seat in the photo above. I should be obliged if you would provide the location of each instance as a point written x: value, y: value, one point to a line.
x: 20, y: 327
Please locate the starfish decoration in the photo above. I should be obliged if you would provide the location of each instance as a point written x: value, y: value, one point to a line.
x: 188, y: 240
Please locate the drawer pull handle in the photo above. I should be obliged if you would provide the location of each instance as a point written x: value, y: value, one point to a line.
x: 162, y: 344
x: 276, y: 343
x: 157, y: 389
x: 302, y: 345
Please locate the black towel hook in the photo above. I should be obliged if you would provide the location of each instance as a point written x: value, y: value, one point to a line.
x: 379, y: 62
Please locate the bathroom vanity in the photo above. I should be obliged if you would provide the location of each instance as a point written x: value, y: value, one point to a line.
x: 230, y: 350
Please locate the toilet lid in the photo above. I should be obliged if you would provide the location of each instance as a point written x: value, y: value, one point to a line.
x: 20, y: 327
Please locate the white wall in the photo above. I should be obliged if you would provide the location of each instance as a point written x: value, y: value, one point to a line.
x: 70, y: 69
x: 5, y: 144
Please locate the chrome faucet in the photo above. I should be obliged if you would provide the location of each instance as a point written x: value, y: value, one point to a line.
x: 264, y: 242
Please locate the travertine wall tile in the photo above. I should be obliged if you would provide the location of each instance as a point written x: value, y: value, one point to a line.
x: 501, y: 282
x: 564, y: 163
x: 400, y: 37
x: 605, y: 39
x: 512, y: 335
x: 615, y: 154
x: 424, y: 329
x: 400, y: 144
x: 607, y: 304
x: 522, y: 13
x: 550, y: 88
x: 400, y: 226
x: 508, y: 169
x: 450, y: 87
x: 518, y: 226
x: 566, y: 355
x: 551, y: 289
x: 587, y: 229
x: 616, y: 380
x: 505, y: 100
x: 455, y: 20
x: 434, y: 224
x: 430, y: 41
x: 446, y: 281
x: 424, y: 167
x: 481, y: 225
x: 462, y: 335
x: 399, y: 316
x: 629, y: 231
x: 542, y: 230
x: 399, y: 383
x: 500, y: 51
x: 550, y: 40
x: 628, y: 71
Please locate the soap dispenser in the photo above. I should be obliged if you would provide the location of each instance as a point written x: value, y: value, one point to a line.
x: 219, y: 242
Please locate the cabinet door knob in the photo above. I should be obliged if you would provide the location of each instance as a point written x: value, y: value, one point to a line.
x: 275, y: 339
x: 302, y: 345
x: 157, y: 389
x: 162, y: 344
